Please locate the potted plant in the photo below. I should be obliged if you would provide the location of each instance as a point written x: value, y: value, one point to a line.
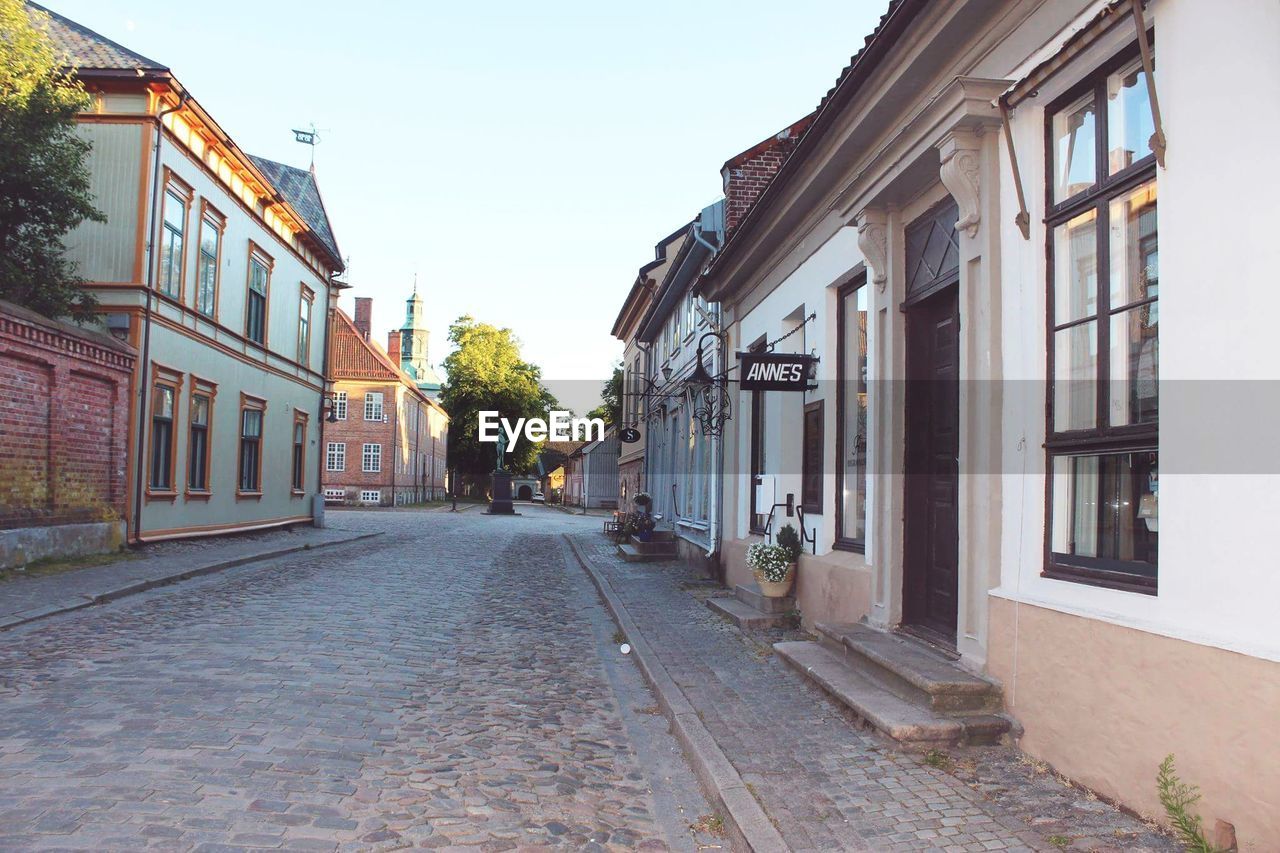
x: 643, y: 500
x: 640, y: 525
x: 775, y: 565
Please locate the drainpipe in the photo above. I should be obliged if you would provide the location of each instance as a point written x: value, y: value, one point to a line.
x: 322, y: 450
x: 717, y: 459
x: 144, y: 392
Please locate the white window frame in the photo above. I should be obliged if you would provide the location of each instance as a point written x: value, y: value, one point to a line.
x: 335, y: 494
x: 335, y: 456
x: 340, y: 405
x: 373, y: 402
x: 368, y: 496
x: 371, y: 459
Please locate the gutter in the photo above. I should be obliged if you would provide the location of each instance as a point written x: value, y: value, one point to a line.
x: 140, y: 451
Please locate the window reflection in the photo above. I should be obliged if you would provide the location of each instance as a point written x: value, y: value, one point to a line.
x: 1129, y: 123
x: 1074, y: 166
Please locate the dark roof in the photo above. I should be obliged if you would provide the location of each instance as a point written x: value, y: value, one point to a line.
x: 299, y: 188
x: 896, y: 18
x: 89, y: 50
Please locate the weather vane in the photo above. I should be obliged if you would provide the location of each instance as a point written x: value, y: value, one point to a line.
x: 309, y: 137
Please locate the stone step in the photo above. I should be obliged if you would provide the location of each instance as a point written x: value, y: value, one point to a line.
x: 910, y: 669
x: 749, y: 618
x: 653, y: 546
x: 750, y: 595
x: 898, y: 718
x: 630, y: 554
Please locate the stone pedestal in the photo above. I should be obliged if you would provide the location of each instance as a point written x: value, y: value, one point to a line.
x: 501, y: 503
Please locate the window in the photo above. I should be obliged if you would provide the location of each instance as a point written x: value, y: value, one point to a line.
x: 340, y: 405
x: 851, y: 419
x: 304, y: 326
x: 198, y: 441
x: 373, y: 406
x: 1103, y: 342
x: 163, y: 401
x: 299, y: 479
x: 335, y: 457
x: 371, y: 459
x: 174, y: 227
x: 370, y: 497
x: 335, y: 494
x: 211, y: 224
x: 811, y: 458
x: 252, y: 411
x: 255, y: 323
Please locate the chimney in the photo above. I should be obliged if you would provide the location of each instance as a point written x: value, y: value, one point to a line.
x: 393, y: 346
x: 364, y: 316
x: 748, y: 174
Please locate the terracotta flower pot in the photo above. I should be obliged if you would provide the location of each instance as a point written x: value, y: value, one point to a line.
x: 777, y: 589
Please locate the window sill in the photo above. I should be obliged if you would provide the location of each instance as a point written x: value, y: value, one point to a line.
x: 166, y: 496
x: 1106, y: 580
x: 248, y: 496
x: 297, y: 493
x: 198, y: 495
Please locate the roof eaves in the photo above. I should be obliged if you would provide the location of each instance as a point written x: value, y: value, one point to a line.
x: 876, y: 47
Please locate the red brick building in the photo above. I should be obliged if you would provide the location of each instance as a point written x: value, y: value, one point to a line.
x: 385, y: 441
x: 64, y: 415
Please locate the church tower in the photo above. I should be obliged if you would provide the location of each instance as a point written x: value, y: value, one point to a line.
x: 414, y: 339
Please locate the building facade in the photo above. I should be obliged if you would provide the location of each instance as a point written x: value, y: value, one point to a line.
x: 218, y: 268
x: 626, y: 328
x: 385, y: 440
x: 967, y: 239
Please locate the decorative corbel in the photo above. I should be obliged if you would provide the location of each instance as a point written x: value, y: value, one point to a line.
x: 873, y: 242
x: 961, y: 174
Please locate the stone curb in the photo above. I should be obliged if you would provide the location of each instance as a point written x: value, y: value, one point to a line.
x: 27, y: 617
x: 745, y: 819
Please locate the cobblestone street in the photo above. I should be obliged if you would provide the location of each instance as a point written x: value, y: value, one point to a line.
x: 457, y: 682
x: 449, y: 683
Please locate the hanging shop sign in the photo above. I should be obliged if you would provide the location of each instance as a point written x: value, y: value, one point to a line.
x: 630, y: 435
x: 775, y: 371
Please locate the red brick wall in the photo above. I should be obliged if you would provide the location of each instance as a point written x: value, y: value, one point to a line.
x: 746, y: 175
x: 64, y: 414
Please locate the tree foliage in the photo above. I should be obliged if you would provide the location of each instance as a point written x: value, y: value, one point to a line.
x: 610, y: 410
x: 486, y: 372
x: 44, y: 177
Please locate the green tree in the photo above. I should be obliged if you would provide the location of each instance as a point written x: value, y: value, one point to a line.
x: 610, y: 410
x: 486, y: 372
x: 44, y: 179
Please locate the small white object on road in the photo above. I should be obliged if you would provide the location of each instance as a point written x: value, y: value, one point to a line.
x: 625, y: 648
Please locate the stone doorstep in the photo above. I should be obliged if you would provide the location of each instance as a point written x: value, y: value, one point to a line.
x: 747, y: 617
x: 903, y: 721
x: 631, y: 554
x: 750, y: 595
x: 910, y: 669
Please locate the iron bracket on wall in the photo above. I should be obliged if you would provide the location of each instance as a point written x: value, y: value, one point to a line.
x: 1158, y: 141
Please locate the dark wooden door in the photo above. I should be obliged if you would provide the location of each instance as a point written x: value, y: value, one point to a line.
x: 930, y: 555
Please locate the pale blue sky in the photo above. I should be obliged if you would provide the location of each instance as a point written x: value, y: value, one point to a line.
x: 523, y: 158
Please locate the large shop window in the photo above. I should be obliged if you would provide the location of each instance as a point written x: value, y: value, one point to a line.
x: 1103, y: 345
x: 851, y: 421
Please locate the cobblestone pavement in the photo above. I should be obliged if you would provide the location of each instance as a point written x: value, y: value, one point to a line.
x: 828, y: 784
x: 24, y: 595
x: 452, y: 683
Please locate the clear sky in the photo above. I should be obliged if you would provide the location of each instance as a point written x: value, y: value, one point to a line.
x: 522, y: 158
